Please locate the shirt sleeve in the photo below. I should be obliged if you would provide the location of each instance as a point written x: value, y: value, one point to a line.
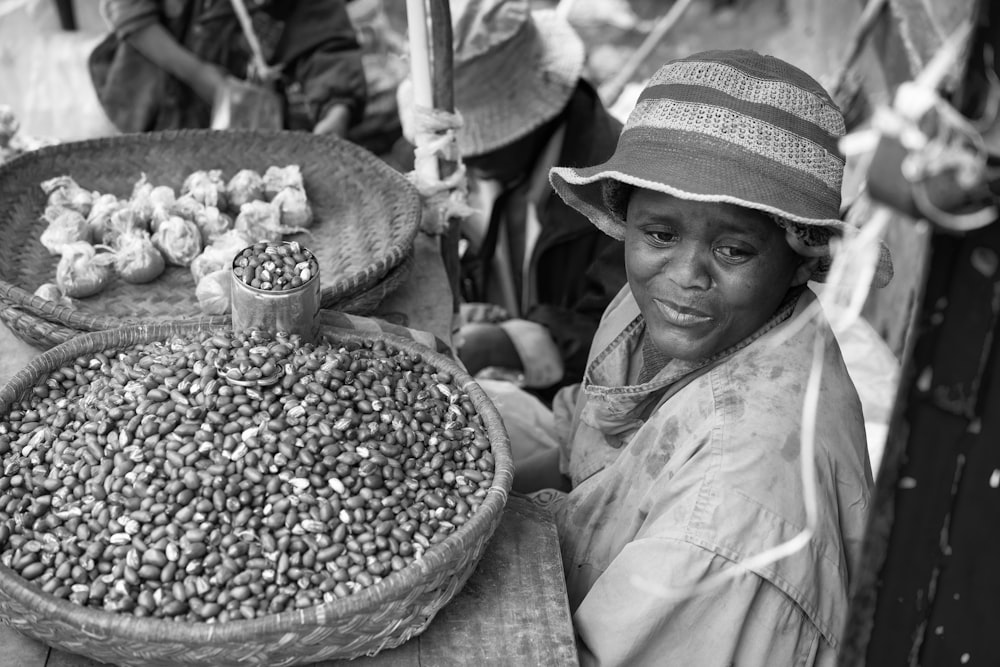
x: 126, y: 17
x: 640, y: 612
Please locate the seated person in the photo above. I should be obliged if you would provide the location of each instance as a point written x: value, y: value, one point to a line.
x: 688, y: 465
x: 545, y: 271
x: 179, y: 56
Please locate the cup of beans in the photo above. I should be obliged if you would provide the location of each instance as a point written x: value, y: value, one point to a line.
x: 276, y: 288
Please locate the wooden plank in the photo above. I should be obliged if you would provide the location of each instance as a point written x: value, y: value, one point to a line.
x: 407, y: 655
x: 965, y: 607
x: 59, y: 658
x: 509, y: 610
x: 16, y: 649
x: 935, y: 601
x: 919, y: 509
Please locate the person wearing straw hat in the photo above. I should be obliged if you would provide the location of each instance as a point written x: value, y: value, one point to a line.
x: 712, y: 482
x: 545, y: 271
x: 166, y: 62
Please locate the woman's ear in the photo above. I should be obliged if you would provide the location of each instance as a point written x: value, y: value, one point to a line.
x: 804, y: 271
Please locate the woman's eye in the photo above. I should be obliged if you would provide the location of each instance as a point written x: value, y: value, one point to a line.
x: 733, y: 253
x: 661, y: 237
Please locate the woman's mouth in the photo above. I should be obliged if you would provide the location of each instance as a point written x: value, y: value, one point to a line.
x: 681, y: 316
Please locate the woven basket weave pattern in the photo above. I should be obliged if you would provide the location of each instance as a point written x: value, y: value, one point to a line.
x: 381, y: 616
x: 366, y: 213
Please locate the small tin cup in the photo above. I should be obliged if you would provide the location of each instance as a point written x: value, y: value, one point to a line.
x: 261, y: 301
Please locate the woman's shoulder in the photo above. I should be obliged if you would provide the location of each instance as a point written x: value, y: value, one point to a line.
x: 776, y: 372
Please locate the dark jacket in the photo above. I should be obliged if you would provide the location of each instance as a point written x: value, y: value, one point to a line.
x: 576, y: 268
x: 313, y: 39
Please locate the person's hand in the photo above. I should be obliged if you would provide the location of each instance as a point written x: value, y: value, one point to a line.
x: 481, y: 345
x: 209, y: 82
x: 336, y: 121
x: 481, y: 312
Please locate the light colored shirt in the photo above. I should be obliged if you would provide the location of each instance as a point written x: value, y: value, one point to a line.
x: 700, y: 470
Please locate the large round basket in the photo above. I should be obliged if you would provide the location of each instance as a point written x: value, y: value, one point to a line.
x: 382, y: 616
x: 367, y: 215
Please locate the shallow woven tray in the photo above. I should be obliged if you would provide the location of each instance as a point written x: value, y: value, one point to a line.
x: 367, y: 215
x: 381, y: 616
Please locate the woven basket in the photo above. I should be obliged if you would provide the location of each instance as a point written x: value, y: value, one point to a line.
x: 367, y: 215
x: 381, y: 616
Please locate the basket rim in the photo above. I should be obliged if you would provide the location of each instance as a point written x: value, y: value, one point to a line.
x: 368, y: 600
x: 340, y: 290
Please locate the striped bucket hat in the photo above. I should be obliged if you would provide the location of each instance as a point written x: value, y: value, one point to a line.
x: 733, y: 127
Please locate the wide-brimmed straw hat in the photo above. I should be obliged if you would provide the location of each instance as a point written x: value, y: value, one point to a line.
x: 513, y: 70
x: 733, y: 127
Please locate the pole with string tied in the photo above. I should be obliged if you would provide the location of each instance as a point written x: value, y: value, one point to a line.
x: 438, y: 173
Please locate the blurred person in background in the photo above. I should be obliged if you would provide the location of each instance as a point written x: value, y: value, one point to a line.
x: 535, y: 274
x: 167, y: 61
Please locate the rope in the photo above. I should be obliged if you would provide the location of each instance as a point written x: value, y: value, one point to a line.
x: 434, y: 137
x: 261, y: 71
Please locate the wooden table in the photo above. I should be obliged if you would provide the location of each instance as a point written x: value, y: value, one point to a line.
x: 512, y: 611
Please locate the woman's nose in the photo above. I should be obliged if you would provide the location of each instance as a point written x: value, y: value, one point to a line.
x: 689, y: 267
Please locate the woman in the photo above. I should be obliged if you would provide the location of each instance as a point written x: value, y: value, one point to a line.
x: 682, y: 446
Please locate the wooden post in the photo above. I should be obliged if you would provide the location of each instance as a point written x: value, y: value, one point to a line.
x: 431, y: 58
x: 420, y: 71
x: 444, y: 99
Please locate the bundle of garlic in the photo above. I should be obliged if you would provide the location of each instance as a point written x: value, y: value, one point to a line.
x: 219, y: 254
x: 83, y: 271
x: 65, y: 192
x: 293, y: 208
x: 212, y: 223
x: 65, y: 226
x: 277, y: 179
x: 245, y: 186
x: 214, y: 292
x: 102, y: 212
x: 137, y: 259
x: 207, y: 187
x: 179, y: 240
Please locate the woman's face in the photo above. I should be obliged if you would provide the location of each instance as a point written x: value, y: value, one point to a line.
x: 705, y: 275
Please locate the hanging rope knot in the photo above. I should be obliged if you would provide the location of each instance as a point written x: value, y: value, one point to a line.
x: 263, y: 74
x: 432, y: 132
